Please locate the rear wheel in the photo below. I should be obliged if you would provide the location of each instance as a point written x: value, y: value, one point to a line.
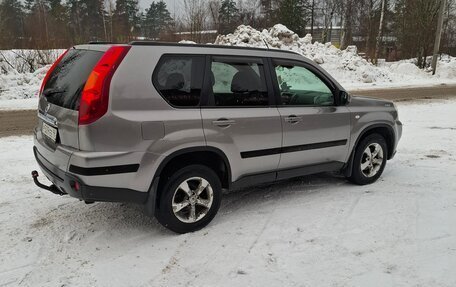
x: 190, y: 199
x: 370, y: 160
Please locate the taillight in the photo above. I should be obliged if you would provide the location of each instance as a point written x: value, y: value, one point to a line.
x: 49, y: 72
x: 95, y: 96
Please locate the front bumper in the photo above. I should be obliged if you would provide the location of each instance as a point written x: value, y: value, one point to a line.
x: 66, y: 182
x: 398, y: 131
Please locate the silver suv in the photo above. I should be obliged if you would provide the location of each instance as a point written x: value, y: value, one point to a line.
x: 172, y: 125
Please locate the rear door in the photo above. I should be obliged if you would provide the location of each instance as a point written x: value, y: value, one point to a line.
x: 315, y: 130
x: 59, y: 102
x: 239, y: 116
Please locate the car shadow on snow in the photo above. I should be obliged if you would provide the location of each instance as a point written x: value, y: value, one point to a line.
x: 127, y: 219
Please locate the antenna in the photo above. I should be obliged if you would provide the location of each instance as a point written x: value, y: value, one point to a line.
x: 264, y: 41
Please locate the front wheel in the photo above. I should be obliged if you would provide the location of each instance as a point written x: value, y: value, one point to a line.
x: 190, y: 199
x: 370, y: 159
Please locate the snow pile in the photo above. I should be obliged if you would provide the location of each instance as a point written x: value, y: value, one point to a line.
x: 14, y: 85
x: 21, y: 72
x: 346, y: 66
x: 447, y: 68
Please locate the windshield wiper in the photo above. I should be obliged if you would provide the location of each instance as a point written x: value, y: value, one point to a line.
x: 49, y: 92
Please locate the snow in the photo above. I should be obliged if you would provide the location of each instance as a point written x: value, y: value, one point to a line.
x: 19, y: 104
x: 346, y: 66
x: 21, y: 72
x: 311, y: 231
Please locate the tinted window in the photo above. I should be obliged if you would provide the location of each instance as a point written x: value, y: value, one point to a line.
x: 179, y: 79
x: 67, y: 81
x: 300, y: 86
x: 238, y: 83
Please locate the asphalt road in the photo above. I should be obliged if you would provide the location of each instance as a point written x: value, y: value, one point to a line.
x: 21, y: 122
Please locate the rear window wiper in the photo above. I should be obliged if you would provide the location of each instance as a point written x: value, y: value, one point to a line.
x: 49, y: 92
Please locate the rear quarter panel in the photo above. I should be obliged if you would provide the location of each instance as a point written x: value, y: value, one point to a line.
x: 139, y: 123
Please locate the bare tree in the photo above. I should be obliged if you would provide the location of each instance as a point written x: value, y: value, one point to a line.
x: 214, y: 8
x: 196, y: 18
x: 109, y: 6
x: 329, y: 9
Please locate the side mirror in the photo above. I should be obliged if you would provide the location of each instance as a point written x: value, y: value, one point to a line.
x: 345, y: 97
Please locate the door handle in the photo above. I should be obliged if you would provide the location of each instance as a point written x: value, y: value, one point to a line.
x: 293, y: 119
x: 223, y: 122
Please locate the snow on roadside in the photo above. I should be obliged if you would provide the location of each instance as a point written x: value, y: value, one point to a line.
x: 310, y: 231
x: 346, y: 66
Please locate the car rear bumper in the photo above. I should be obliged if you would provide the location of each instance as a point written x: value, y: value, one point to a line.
x: 75, y: 187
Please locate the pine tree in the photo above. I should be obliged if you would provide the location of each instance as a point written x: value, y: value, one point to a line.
x: 92, y: 18
x: 57, y: 22
x: 268, y: 9
x: 294, y: 14
x: 156, y: 19
x: 11, y: 23
x: 229, y: 16
x: 126, y: 20
x: 75, y: 24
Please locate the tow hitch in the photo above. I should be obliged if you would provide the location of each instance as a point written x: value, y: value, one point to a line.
x: 52, y: 188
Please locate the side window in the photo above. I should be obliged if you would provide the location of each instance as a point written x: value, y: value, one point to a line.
x: 238, y: 83
x: 299, y: 86
x: 179, y: 79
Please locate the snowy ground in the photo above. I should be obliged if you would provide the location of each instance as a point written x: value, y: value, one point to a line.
x: 311, y: 231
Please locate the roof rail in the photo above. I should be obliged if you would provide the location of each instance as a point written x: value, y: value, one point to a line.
x: 155, y: 43
x: 100, y: 42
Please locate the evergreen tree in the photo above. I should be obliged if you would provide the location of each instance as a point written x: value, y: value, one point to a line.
x: 75, y: 24
x: 229, y: 16
x: 156, y: 19
x: 294, y: 14
x: 126, y: 19
x: 11, y: 23
x: 92, y: 18
x: 28, y: 5
x: 57, y: 22
x: 268, y: 10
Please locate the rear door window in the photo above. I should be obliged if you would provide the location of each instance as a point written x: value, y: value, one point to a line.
x: 67, y: 81
x: 179, y: 79
x: 238, y: 82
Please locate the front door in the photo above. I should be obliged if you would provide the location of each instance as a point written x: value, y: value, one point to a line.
x: 315, y: 130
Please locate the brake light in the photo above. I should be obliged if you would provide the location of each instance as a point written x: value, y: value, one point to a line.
x: 95, y: 95
x: 49, y: 72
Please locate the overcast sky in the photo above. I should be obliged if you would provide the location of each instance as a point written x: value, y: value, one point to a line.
x: 169, y: 3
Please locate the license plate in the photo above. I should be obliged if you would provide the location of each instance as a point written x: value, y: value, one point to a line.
x: 49, y: 131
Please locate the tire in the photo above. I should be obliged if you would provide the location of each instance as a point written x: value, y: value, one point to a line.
x: 368, y: 168
x: 182, y: 189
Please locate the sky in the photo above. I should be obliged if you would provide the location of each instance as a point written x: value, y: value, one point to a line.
x: 169, y: 3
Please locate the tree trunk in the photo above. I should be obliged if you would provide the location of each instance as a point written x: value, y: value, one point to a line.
x: 369, y: 30
x: 347, y: 36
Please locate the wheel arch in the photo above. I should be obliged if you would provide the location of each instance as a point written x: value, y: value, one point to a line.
x: 383, y: 129
x: 209, y: 156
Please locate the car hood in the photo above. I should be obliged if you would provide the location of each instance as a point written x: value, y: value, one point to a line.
x: 360, y: 101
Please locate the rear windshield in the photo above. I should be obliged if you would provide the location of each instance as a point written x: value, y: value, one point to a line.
x: 66, y: 82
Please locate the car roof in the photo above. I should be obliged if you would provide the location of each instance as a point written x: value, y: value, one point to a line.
x: 155, y: 43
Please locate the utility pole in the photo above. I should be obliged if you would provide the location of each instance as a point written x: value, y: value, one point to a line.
x: 438, y: 35
x: 380, y: 31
